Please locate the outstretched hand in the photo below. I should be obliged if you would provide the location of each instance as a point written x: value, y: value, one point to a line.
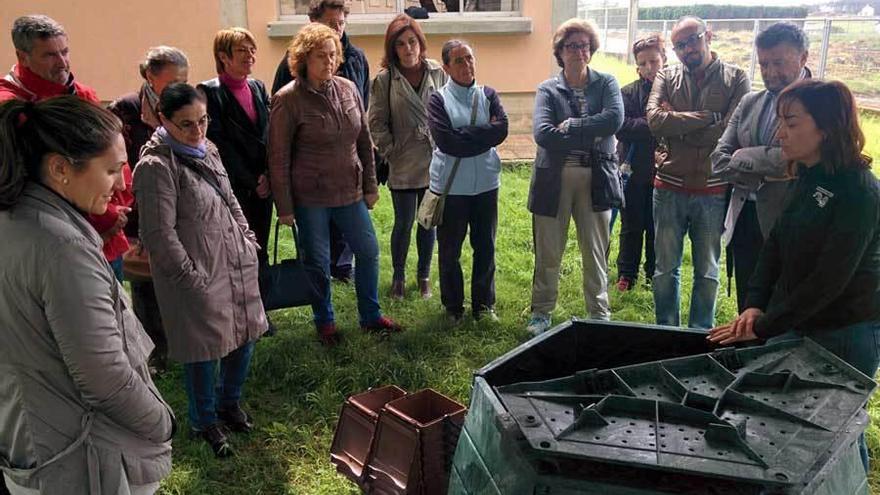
x: 742, y: 329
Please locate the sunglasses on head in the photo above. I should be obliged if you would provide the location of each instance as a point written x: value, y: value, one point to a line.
x: 646, y: 42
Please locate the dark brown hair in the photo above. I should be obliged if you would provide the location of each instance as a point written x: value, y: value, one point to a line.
x: 833, y: 109
x: 653, y: 41
x: 317, y: 8
x: 395, y: 30
x: 570, y: 27
x: 66, y: 125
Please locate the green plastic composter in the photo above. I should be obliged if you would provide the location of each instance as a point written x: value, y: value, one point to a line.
x: 569, y: 412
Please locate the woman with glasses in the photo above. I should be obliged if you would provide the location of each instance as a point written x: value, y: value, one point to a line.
x: 399, y: 125
x: 575, y: 174
x: 139, y: 113
x: 238, y: 106
x: 203, y: 258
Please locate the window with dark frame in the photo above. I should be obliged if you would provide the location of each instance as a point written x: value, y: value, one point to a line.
x: 289, y: 8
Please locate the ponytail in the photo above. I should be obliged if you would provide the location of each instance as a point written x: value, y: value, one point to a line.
x: 65, y: 125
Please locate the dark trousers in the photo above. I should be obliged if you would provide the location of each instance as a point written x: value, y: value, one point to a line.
x: 341, y: 255
x: 258, y: 212
x: 406, y: 204
x: 636, y: 230
x: 745, y: 245
x: 209, y: 391
x: 146, y: 308
x: 479, y: 214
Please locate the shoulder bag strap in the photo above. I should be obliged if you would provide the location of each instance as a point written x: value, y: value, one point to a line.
x: 275, y: 242
x: 455, y: 165
x: 210, y: 180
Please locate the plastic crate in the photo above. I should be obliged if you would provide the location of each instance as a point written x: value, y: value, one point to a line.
x: 355, y: 429
x: 414, y: 445
x: 705, y: 404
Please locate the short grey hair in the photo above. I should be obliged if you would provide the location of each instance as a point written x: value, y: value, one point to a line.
x: 28, y: 28
x: 158, y: 57
x: 452, y: 45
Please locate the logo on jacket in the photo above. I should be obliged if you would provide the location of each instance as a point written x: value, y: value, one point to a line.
x: 822, y: 196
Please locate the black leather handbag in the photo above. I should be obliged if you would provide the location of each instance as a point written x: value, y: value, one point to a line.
x: 290, y: 283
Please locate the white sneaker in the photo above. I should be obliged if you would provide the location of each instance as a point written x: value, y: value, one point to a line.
x: 538, y: 324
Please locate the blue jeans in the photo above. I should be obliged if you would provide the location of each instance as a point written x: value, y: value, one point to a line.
x: 702, y: 218
x: 206, y: 393
x: 356, y: 226
x: 858, y: 345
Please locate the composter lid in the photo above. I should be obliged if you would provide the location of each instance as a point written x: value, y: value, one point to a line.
x: 762, y: 414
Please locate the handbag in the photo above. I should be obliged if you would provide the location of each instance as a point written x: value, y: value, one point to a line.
x: 136, y: 263
x: 430, y: 212
x: 290, y: 283
x: 383, y: 168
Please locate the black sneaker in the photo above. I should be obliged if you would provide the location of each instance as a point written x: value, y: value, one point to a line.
x: 236, y: 419
x: 216, y: 438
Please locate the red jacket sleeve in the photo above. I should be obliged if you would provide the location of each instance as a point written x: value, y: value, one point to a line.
x: 124, y: 198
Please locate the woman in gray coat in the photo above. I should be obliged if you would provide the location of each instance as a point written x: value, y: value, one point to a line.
x: 204, y: 262
x: 399, y: 125
x: 78, y: 410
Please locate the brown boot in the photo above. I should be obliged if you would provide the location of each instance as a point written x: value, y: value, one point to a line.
x: 425, y: 288
x: 397, y: 290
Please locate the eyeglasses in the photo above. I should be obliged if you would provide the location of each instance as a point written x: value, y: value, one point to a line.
x: 249, y: 50
x: 690, y: 41
x: 189, y: 126
x: 646, y: 42
x: 576, y: 46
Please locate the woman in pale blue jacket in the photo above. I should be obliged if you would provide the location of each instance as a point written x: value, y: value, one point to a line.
x: 467, y: 121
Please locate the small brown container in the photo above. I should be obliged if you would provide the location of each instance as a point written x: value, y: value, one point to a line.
x: 355, y: 429
x: 414, y: 444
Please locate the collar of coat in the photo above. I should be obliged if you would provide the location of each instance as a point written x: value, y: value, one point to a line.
x: 593, y: 78
x: 714, y: 66
x: 50, y: 202
x: 37, y: 87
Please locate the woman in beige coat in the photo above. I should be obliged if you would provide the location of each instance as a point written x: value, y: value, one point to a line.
x: 78, y: 411
x: 399, y: 125
x: 204, y: 262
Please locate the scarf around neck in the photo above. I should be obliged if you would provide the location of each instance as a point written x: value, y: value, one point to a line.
x: 178, y: 147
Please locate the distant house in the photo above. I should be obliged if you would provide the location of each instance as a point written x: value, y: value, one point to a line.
x: 867, y: 11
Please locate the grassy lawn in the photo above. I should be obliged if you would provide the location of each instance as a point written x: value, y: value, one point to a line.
x: 296, y: 387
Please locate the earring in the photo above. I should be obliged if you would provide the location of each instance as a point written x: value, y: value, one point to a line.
x: 65, y: 181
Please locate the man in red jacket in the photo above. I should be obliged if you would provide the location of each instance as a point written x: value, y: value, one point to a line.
x: 43, y: 71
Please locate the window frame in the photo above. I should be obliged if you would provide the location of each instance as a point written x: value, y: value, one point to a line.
x: 400, y: 7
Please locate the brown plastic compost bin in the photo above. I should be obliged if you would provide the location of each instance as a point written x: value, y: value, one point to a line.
x: 414, y: 444
x: 355, y: 429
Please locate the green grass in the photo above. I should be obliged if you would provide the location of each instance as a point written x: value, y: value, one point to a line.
x: 296, y: 387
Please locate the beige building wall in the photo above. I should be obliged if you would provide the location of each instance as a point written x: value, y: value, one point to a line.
x: 108, y: 39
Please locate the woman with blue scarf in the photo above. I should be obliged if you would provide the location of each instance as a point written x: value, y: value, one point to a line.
x: 203, y: 259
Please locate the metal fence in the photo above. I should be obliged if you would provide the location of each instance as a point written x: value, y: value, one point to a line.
x: 846, y: 49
